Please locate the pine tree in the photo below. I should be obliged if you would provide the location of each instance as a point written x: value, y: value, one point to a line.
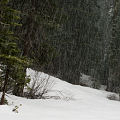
x: 37, y: 16
x: 10, y: 59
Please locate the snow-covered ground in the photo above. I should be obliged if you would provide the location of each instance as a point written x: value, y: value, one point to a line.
x: 76, y: 103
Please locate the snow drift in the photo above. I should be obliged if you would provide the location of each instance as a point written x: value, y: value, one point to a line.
x: 85, y: 104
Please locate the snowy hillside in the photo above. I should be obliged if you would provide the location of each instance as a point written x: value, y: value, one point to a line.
x: 75, y: 103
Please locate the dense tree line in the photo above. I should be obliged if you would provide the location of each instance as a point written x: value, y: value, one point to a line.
x: 18, y: 46
x: 66, y: 38
x: 77, y: 41
x: 114, y: 50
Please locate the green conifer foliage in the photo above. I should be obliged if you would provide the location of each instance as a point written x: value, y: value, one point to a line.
x: 11, y: 62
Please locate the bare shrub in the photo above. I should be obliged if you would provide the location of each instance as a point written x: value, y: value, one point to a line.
x: 113, y: 97
x: 39, y: 87
x: 60, y: 95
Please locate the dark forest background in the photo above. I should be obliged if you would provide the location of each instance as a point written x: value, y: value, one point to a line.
x: 66, y: 38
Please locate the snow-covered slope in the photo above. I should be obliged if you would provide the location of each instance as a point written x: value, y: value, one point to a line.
x: 84, y: 104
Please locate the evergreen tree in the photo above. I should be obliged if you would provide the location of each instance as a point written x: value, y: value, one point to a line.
x: 77, y: 42
x: 10, y: 59
x: 37, y: 16
x: 114, y: 50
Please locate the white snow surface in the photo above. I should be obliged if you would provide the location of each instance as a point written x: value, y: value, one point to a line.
x: 84, y: 104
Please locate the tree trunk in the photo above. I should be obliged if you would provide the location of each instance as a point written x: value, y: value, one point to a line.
x: 4, y: 87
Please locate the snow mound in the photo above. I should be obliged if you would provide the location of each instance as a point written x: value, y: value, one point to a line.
x: 86, y: 103
x: 65, y: 90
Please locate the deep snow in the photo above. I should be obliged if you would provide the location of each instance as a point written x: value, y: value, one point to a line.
x: 76, y: 103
